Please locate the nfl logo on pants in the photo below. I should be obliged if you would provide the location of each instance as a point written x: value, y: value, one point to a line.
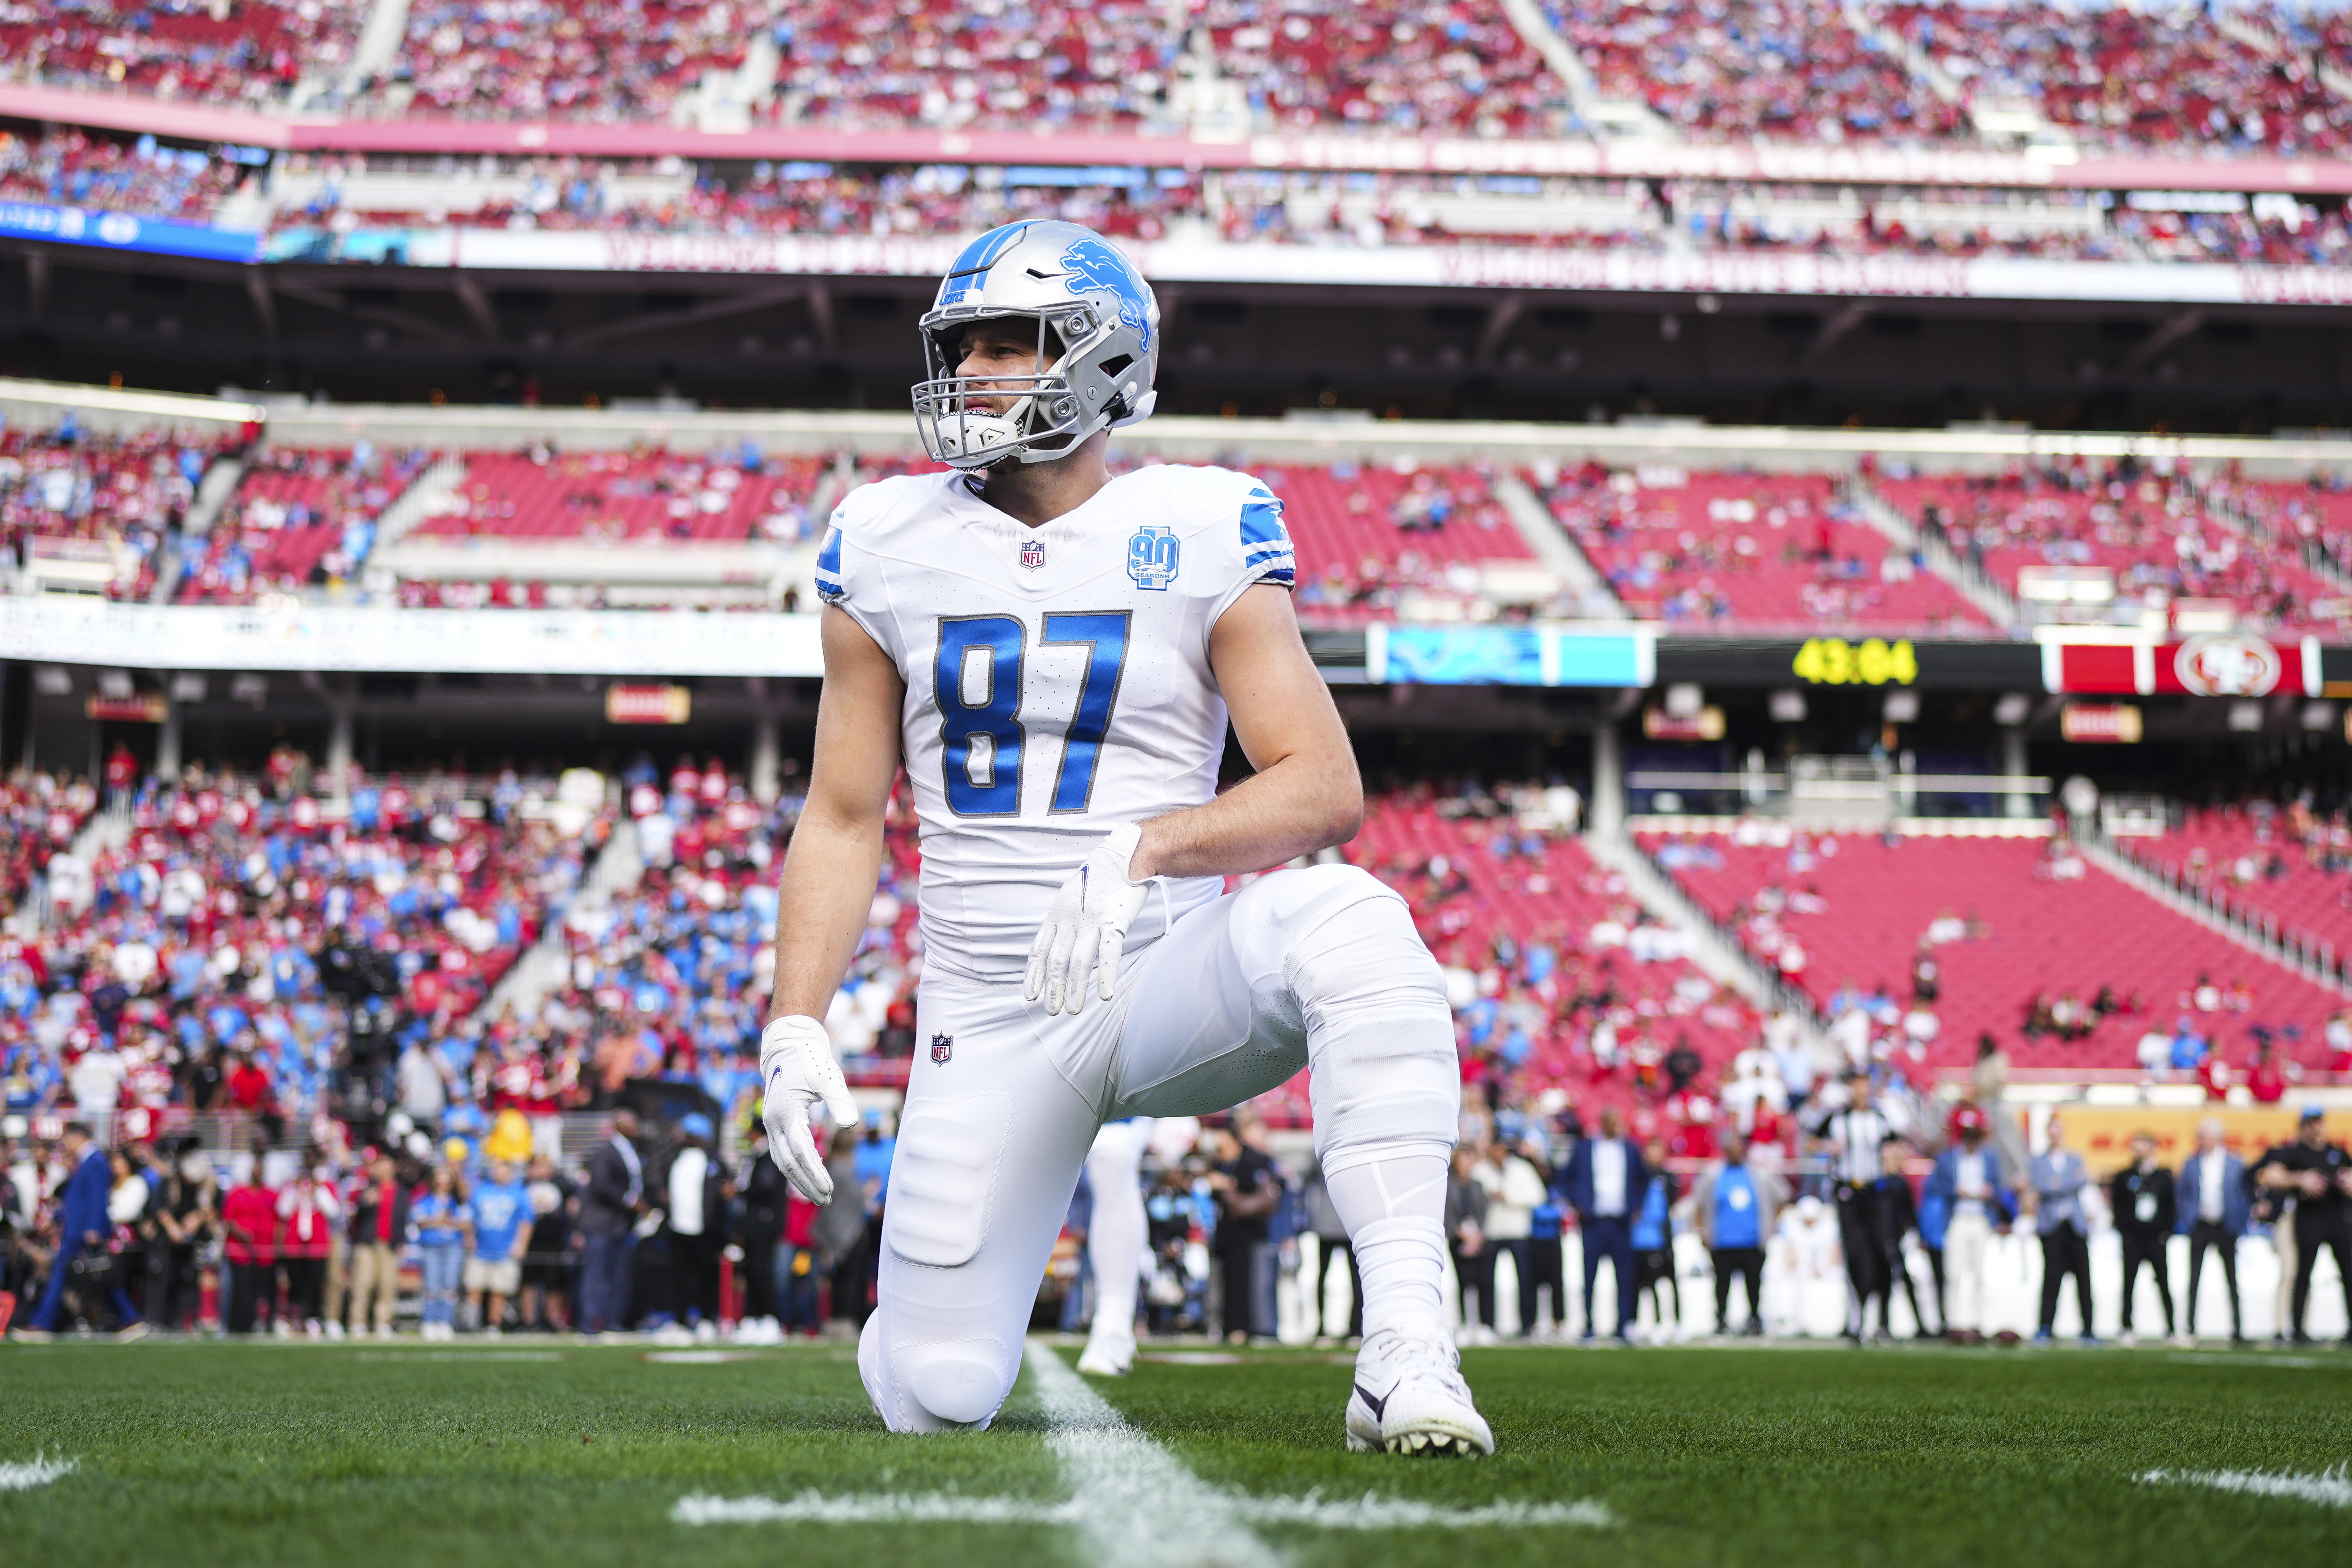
x: 942, y: 1047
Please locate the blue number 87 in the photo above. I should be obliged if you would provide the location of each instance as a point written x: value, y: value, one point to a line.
x: 977, y: 683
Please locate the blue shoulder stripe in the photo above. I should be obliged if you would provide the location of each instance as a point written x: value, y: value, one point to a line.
x: 828, y: 566
x: 1262, y: 521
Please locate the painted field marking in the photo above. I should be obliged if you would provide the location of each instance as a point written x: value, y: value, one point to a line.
x: 1133, y: 1500
x: 39, y: 1472
x: 2189, y: 1358
x: 2331, y: 1488
x: 1313, y: 1511
x: 468, y: 1356
x: 1136, y: 1503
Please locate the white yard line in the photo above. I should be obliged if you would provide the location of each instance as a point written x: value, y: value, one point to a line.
x: 2332, y: 1489
x: 1372, y: 1512
x: 1134, y: 1501
x: 40, y: 1473
x: 1138, y: 1506
x: 872, y: 1507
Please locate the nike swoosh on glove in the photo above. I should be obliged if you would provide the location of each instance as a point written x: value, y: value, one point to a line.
x: 1086, y: 926
x: 796, y: 1064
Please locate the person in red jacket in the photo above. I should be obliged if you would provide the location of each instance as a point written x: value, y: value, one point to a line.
x: 249, y: 1218
x: 2265, y: 1080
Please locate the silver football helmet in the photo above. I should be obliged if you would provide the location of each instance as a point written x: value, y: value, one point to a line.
x: 1095, y: 319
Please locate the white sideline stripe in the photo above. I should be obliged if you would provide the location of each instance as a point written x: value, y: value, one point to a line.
x: 40, y: 1473
x: 1368, y: 1512
x: 1136, y: 1506
x: 2331, y: 1489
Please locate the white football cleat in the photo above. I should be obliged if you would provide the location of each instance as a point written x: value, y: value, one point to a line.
x: 1110, y: 1354
x: 1409, y: 1398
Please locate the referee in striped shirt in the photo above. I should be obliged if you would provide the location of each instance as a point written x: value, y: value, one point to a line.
x: 1852, y: 1139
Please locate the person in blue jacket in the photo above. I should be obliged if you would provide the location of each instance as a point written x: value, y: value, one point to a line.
x: 83, y: 1227
x: 2215, y: 1202
x: 1965, y: 1201
x: 1653, y: 1241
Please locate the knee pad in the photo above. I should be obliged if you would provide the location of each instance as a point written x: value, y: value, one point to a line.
x: 933, y: 1387
x: 1380, y: 1035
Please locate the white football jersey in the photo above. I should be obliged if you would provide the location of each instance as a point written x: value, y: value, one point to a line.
x: 1057, y: 679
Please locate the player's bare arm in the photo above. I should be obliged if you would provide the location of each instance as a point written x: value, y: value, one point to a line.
x: 837, y: 847
x: 828, y: 886
x: 1305, y: 794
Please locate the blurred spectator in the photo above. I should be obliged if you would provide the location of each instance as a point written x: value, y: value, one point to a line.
x: 1653, y: 1243
x: 1736, y: 1206
x: 1331, y: 1244
x: 1466, y: 1206
x: 502, y: 1225
x: 1898, y: 1217
x: 378, y: 1232
x: 549, y: 1262
x: 610, y: 1205
x: 760, y: 1230
x: 85, y: 1260
x: 307, y: 1210
x: 250, y: 1222
x: 183, y: 1219
x: 2142, y: 1198
x: 841, y: 1233
x: 1246, y: 1186
x: 2318, y: 1175
x: 1605, y: 1184
x: 697, y: 1226
x: 1966, y: 1200
x: 2054, y: 1186
x: 441, y: 1223
x: 2214, y: 1205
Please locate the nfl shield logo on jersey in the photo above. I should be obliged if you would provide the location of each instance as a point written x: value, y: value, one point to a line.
x: 942, y: 1047
x: 1152, y: 556
x: 1033, y: 554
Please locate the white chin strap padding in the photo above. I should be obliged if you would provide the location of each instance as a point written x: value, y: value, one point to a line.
x: 1143, y: 408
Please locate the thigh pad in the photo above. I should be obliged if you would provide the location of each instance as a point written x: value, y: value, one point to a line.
x: 949, y: 1150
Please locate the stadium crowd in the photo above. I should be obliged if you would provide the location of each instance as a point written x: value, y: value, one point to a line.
x: 103, y: 504
x: 267, y: 1007
x: 2174, y: 78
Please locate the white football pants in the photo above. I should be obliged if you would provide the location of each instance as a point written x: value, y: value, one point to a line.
x: 1115, y: 1239
x: 1319, y: 968
x: 1966, y: 1242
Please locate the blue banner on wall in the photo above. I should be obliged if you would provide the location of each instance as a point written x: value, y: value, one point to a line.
x: 1506, y: 656
x: 121, y: 231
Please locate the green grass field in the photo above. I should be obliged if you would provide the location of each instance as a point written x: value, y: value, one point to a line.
x: 357, y: 1456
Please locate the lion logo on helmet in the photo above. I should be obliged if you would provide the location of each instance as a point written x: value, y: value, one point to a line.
x: 1100, y: 268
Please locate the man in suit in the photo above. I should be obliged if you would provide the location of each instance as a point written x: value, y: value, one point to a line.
x: 1604, y: 1182
x: 83, y: 1227
x: 1965, y: 1202
x: 609, y: 1209
x: 2140, y: 1197
x: 2055, y: 1185
x: 2214, y: 1205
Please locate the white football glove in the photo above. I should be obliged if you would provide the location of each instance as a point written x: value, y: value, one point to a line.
x: 1086, y: 926
x: 796, y: 1064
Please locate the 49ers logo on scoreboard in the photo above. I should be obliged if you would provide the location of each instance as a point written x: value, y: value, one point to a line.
x: 2221, y: 665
